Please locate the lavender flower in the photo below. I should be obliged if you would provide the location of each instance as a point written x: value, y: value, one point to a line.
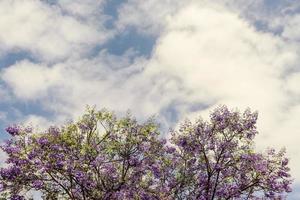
x: 13, y: 130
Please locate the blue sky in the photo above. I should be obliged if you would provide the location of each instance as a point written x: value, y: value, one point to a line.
x: 174, y: 59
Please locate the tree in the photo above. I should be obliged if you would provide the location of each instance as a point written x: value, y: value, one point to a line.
x: 216, y: 160
x: 103, y: 157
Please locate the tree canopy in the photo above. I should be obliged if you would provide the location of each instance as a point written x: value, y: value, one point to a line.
x: 104, y: 157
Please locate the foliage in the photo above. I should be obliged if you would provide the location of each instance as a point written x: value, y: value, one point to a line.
x: 103, y: 157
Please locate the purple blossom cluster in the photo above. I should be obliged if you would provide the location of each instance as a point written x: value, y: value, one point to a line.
x: 13, y: 130
x: 123, y: 159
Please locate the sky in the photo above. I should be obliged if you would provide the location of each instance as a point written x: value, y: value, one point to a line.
x: 170, y: 58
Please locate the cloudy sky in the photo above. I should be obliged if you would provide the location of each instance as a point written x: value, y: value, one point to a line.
x: 171, y: 58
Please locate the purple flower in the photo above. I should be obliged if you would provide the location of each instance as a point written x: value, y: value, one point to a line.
x: 10, y: 173
x: 163, y: 141
x: 37, y: 184
x: 84, y: 127
x: 156, y: 171
x: 284, y: 162
x: 13, y: 130
x: 59, y: 164
x: 43, y: 141
x: 32, y: 155
x: 182, y: 142
x: 108, y: 168
x: 17, y: 197
x: 55, y: 147
x: 133, y: 161
x: 170, y: 150
x: 54, y: 130
x: 11, y: 149
x: 28, y: 129
x: 80, y: 176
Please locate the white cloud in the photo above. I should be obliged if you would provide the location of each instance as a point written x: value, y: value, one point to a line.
x: 293, y: 83
x: 292, y: 27
x: 149, y: 17
x: 39, y: 122
x: 216, y: 61
x: 4, y: 94
x: 68, y: 86
x: 78, y: 8
x: 46, y: 31
x: 30, y: 81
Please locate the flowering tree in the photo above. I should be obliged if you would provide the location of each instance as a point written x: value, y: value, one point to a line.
x: 216, y: 160
x: 103, y: 157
